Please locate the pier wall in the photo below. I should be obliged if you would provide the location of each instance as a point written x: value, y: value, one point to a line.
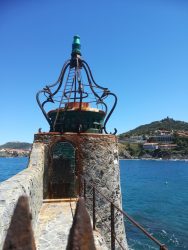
x: 29, y: 182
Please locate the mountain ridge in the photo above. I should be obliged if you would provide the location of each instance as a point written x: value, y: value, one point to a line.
x: 168, y: 124
x: 16, y: 145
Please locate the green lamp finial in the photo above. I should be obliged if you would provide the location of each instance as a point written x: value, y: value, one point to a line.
x: 76, y: 46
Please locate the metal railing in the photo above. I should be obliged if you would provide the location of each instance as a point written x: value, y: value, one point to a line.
x: 96, y: 193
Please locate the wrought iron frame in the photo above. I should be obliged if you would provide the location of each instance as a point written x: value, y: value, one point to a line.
x: 76, y: 62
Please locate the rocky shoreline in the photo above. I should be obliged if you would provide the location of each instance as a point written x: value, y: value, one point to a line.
x: 152, y: 154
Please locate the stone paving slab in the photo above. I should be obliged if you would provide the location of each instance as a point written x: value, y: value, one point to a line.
x: 54, y: 223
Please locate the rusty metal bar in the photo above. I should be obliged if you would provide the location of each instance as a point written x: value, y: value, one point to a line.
x: 81, y: 234
x: 119, y: 243
x: 162, y: 246
x: 141, y: 228
x: 94, y: 216
x: 112, y: 227
x: 20, y: 234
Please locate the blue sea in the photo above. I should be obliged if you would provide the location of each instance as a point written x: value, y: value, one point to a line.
x: 11, y: 166
x: 155, y: 193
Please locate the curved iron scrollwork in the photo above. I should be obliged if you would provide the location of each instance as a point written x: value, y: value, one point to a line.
x: 72, y: 87
x: 49, y: 95
x: 105, y: 94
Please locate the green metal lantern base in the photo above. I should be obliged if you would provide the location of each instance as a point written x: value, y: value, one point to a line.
x: 77, y: 121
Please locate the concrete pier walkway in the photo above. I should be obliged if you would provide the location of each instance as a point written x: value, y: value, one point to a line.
x: 54, y: 223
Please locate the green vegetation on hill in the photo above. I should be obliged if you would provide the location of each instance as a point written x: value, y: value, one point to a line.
x: 131, y: 146
x: 16, y: 145
x: 165, y: 124
x: 135, y: 150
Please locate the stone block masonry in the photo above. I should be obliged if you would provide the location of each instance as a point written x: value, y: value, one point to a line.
x: 28, y: 182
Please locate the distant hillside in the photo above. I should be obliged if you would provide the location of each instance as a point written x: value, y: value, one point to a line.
x: 165, y: 124
x: 16, y: 145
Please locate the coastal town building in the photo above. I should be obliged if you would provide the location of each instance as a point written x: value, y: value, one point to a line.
x: 11, y: 152
x: 163, y: 138
x: 150, y: 146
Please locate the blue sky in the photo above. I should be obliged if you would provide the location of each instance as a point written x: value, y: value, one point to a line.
x: 136, y: 48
